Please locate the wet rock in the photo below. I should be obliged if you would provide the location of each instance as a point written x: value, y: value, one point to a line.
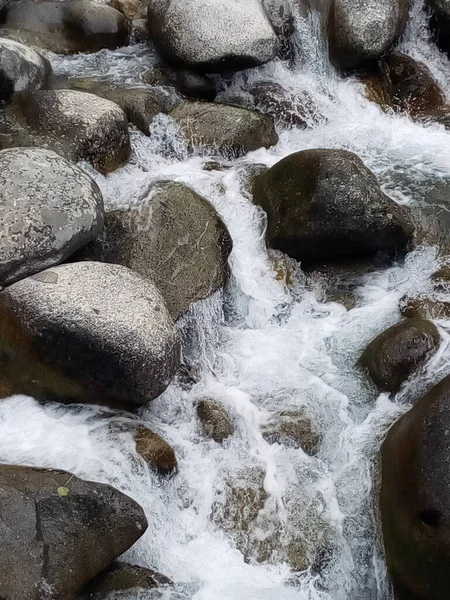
x: 87, y: 332
x: 405, y: 85
x: 325, y: 205
x: 215, y: 420
x: 65, y: 27
x: 195, y: 85
x: 229, y: 130
x: 123, y: 577
x: 59, y: 531
x: 48, y: 210
x: 440, y: 22
x: 293, y: 429
x: 176, y: 239
x: 132, y: 9
x: 21, y: 69
x: 393, y: 356
x: 155, y: 450
x: 415, y: 498
x: 139, y: 31
x: 424, y: 307
x: 212, y: 35
x: 360, y: 32
x: 77, y: 125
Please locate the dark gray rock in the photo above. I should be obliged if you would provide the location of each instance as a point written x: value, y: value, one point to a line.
x: 48, y: 210
x: 229, y: 130
x: 440, y: 22
x: 195, y: 85
x: 123, y: 577
x: 393, y: 356
x: 360, y: 31
x: 59, y: 531
x: 21, y: 69
x: 326, y: 205
x: 87, y: 332
x: 415, y: 498
x: 176, y: 239
x: 212, y: 35
x: 77, y: 125
x: 65, y: 27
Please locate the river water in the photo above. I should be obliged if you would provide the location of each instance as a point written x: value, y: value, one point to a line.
x: 262, y: 348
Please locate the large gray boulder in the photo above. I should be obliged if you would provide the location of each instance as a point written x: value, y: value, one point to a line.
x: 58, y: 532
x: 360, y: 31
x: 65, y: 27
x: 87, y: 332
x: 21, y: 69
x: 228, y: 130
x: 212, y: 35
x: 415, y: 498
x: 48, y: 210
x: 77, y: 125
x: 177, y: 240
x: 326, y: 204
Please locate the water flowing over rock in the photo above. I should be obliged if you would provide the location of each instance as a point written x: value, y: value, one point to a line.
x: 215, y: 420
x: 415, y: 498
x: 155, y: 450
x: 441, y: 21
x: 228, y: 130
x: 21, y: 69
x: 59, y: 531
x: 87, y: 332
x: 48, y: 210
x: 325, y: 204
x: 65, y: 27
x: 212, y: 35
x: 360, y: 31
x: 175, y: 239
x: 77, y: 125
x: 399, y: 351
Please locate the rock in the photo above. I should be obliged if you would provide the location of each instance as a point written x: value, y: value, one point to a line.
x: 360, y: 32
x: 195, y: 85
x: 77, y: 125
x: 141, y: 105
x: 139, y: 31
x: 423, y: 307
x: 65, y: 27
x: 393, y: 356
x: 293, y: 429
x: 59, y: 531
x: 405, y: 85
x: 132, y: 9
x: 212, y: 35
x: 87, y: 332
x: 176, y: 238
x: 48, y: 210
x: 440, y: 22
x: 123, y: 577
x: 325, y: 205
x: 215, y: 420
x: 21, y: 69
x: 155, y: 450
x: 229, y: 130
x: 415, y: 498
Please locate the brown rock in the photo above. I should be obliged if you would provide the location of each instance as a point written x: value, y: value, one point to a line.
x: 293, y: 429
x: 424, y: 307
x: 215, y: 420
x: 155, y: 450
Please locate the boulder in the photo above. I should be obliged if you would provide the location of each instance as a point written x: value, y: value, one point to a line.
x: 48, y: 210
x: 393, y: 356
x: 424, y: 307
x: 415, y: 498
x: 228, y: 130
x: 87, y: 332
x: 123, y: 577
x: 176, y: 239
x: 212, y: 35
x: 215, y: 421
x: 440, y: 22
x: 360, y: 31
x: 132, y: 9
x: 59, y: 531
x: 155, y: 450
x: 77, y: 125
x: 189, y: 83
x: 325, y: 205
x: 293, y: 429
x: 21, y: 69
x: 65, y: 27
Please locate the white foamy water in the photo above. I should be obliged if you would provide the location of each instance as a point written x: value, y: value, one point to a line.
x: 270, y: 349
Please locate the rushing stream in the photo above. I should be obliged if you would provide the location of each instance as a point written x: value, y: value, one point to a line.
x: 269, y: 349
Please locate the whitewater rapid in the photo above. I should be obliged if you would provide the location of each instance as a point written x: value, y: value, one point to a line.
x: 261, y: 347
